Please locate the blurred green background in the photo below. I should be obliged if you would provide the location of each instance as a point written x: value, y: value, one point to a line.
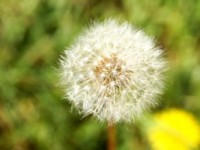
x: 33, y: 35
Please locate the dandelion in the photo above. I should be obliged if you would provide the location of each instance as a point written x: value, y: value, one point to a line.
x: 174, y: 129
x: 113, y: 71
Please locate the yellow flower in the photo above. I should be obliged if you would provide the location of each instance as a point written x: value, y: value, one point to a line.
x: 174, y: 130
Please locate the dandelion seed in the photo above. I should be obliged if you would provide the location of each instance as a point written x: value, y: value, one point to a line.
x: 118, y: 69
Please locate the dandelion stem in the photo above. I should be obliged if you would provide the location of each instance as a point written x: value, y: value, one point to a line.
x: 111, y: 137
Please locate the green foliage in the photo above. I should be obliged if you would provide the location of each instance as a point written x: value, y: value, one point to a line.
x: 33, y: 34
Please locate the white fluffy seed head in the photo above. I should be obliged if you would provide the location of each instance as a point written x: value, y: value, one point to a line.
x: 113, y: 71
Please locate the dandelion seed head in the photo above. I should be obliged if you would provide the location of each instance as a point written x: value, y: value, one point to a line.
x: 118, y: 71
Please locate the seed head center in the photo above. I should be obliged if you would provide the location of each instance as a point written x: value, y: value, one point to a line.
x: 110, y: 71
